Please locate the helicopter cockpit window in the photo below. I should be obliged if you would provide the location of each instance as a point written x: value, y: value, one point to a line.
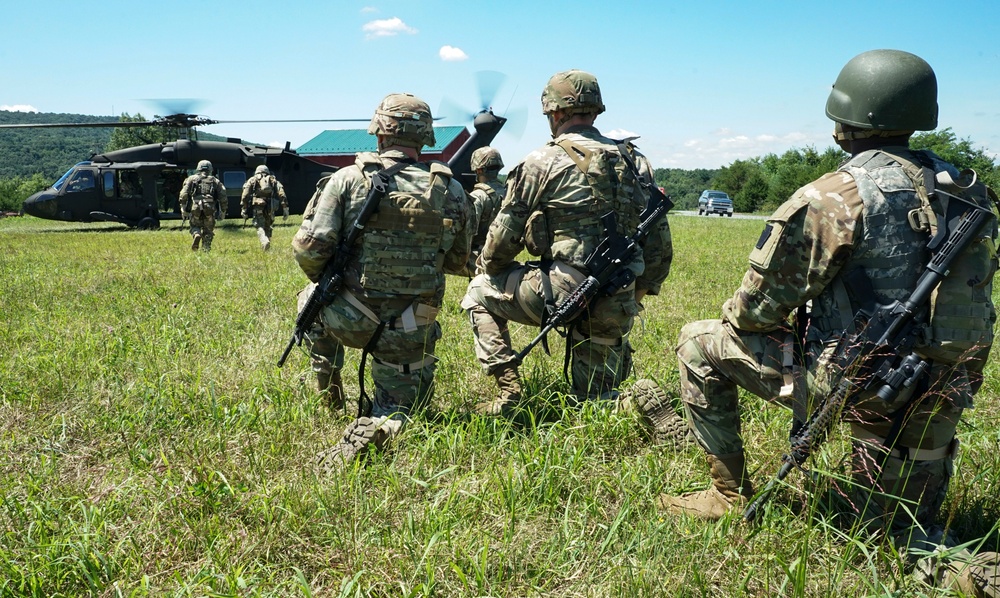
x: 234, y: 179
x: 83, y: 181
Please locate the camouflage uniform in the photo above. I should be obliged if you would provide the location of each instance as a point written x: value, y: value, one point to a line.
x: 261, y: 192
x: 202, y: 196
x: 551, y: 209
x: 485, y: 197
x: 381, y: 286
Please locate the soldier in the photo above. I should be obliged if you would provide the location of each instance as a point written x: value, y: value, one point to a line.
x: 485, y: 198
x: 554, y: 202
x: 863, y: 215
x: 260, y: 192
x: 394, y: 282
x: 203, y: 199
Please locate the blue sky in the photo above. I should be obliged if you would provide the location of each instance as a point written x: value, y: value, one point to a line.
x: 702, y: 83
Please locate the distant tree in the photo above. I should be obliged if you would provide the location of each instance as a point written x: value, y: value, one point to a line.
x: 124, y: 137
x: 734, y: 177
x: 683, y: 186
x: 14, y: 190
x: 959, y: 152
x: 753, y: 194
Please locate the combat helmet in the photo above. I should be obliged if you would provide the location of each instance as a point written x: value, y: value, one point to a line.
x: 573, y: 91
x: 486, y: 158
x: 205, y: 166
x: 404, y: 119
x: 262, y: 169
x: 885, y: 91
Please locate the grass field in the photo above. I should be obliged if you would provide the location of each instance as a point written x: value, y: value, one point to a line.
x: 151, y: 447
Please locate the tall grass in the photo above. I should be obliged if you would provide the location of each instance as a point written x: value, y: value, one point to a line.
x: 149, y: 446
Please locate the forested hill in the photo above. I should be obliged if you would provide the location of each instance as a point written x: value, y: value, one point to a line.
x: 24, y: 152
x: 51, y: 152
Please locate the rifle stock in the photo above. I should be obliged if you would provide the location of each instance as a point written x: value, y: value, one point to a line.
x: 881, y: 354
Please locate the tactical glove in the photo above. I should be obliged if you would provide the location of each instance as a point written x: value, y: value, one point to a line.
x: 284, y: 208
x: 245, y: 214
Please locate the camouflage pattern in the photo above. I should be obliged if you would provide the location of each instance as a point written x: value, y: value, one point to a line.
x: 403, y: 119
x: 550, y: 208
x: 260, y: 194
x: 485, y: 201
x: 851, y: 217
x: 487, y: 158
x: 202, y: 195
x: 343, y: 324
x: 572, y: 91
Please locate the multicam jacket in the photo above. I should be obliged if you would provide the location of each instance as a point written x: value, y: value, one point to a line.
x: 857, y: 216
x: 407, y: 246
x: 485, y: 201
x: 553, y: 207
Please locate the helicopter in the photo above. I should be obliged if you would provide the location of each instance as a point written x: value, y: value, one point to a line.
x: 140, y: 186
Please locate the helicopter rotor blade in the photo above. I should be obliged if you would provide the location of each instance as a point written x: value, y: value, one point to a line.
x: 489, y: 83
x: 302, y: 120
x: 86, y: 125
x: 517, y: 121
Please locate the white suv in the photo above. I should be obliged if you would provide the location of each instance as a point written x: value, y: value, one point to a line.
x: 715, y: 202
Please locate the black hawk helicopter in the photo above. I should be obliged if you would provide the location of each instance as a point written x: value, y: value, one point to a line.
x: 139, y: 186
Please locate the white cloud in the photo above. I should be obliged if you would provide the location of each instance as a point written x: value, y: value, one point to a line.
x: 368, y: 9
x: 724, y: 146
x: 452, y: 54
x: 386, y: 28
x: 621, y: 134
x: 18, y: 108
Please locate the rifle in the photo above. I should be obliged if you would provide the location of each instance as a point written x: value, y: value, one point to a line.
x: 880, y: 355
x: 332, y: 277
x: 607, y: 267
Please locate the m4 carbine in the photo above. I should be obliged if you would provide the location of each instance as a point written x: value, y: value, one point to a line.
x: 332, y: 278
x: 880, y: 355
x: 607, y: 268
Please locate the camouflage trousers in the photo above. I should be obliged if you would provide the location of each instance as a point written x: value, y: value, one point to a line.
x: 600, y: 352
x: 716, y: 360
x: 203, y: 222
x: 403, y: 362
x: 263, y: 221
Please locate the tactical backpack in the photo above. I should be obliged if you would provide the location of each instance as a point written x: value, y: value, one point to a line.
x: 962, y: 313
x: 613, y: 184
x: 402, y: 248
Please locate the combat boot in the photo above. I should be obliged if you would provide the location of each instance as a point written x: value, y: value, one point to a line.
x: 508, y: 395
x: 265, y: 242
x: 730, y: 489
x: 331, y: 388
x: 195, y: 242
x: 206, y: 243
x: 657, y: 415
x: 361, y: 436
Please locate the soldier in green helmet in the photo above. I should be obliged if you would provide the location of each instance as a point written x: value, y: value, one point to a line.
x: 485, y: 198
x: 394, y: 280
x: 203, y: 200
x: 555, y: 199
x: 261, y: 194
x: 861, y: 216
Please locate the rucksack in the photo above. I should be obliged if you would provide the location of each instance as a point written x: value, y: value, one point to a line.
x: 962, y: 313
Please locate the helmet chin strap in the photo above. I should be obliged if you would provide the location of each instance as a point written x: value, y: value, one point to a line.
x: 839, y: 134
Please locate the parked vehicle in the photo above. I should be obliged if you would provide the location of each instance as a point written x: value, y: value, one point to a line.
x: 715, y: 202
